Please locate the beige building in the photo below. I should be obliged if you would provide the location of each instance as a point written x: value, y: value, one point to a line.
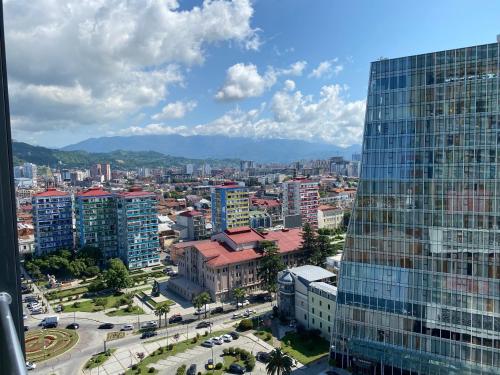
x: 229, y: 260
x: 329, y: 217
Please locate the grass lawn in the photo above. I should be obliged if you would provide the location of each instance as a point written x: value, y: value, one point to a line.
x: 265, y: 334
x: 159, y: 354
x: 99, y: 359
x: 304, y: 350
x: 44, y: 344
x: 115, y: 335
x: 66, y: 293
x: 136, y: 310
x: 89, y: 306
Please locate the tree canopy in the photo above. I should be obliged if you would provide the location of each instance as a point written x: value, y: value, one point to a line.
x: 270, y: 265
x: 117, y: 276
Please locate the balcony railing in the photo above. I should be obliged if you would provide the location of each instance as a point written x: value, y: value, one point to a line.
x: 9, y: 336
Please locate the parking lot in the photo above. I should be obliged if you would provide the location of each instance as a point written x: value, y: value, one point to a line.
x: 199, y: 355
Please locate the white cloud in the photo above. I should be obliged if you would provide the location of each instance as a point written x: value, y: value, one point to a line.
x: 327, y: 69
x: 244, y: 81
x: 329, y: 118
x: 289, y: 85
x: 175, y: 110
x: 91, y: 62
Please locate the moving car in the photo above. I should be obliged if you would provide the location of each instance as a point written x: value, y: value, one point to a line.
x: 207, y: 344
x: 30, y: 365
x: 203, y: 324
x: 151, y: 324
x: 50, y: 322
x: 263, y: 357
x: 73, y: 326
x: 127, y: 327
x: 200, y: 311
x: 227, y: 338
x: 148, y: 334
x: 175, y: 318
x: 210, y: 365
x: 236, y: 369
x: 235, y: 335
x: 218, y: 310
x: 244, y: 303
x: 191, y: 370
x: 107, y: 326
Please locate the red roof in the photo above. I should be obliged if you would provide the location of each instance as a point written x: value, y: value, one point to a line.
x: 219, y: 254
x: 324, y: 207
x: 191, y: 213
x: 229, y: 185
x: 243, y: 235
x: 135, y: 192
x: 265, y: 202
x: 51, y: 192
x: 93, y: 192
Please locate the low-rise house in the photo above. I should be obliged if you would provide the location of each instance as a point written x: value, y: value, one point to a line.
x: 329, y: 217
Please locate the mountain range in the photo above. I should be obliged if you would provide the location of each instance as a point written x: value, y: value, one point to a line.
x: 217, y: 147
x: 24, y: 152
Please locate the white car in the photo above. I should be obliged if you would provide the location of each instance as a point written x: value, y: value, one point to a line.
x: 152, y: 324
x: 218, y: 340
x: 200, y: 312
x: 30, y: 365
x: 244, y: 303
x: 36, y: 311
x: 227, y: 338
x: 236, y: 315
x: 127, y: 327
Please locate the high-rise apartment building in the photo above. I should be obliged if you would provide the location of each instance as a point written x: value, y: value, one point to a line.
x: 52, y: 221
x: 419, y: 288
x: 96, y: 170
x: 138, y: 242
x: 96, y: 221
x: 301, y: 197
x: 230, y: 207
x: 107, y: 172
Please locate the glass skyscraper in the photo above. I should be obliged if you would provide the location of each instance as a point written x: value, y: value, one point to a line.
x: 419, y: 285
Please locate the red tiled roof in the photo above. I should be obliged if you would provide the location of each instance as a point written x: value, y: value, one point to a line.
x: 265, y: 202
x: 190, y: 213
x: 93, y: 192
x: 131, y: 194
x: 243, y: 235
x: 324, y: 207
x: 219, y: 254
x: 51, y: 192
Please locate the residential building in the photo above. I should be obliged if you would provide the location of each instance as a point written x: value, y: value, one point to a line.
x: 96, y: 221
x: 229, y: 260
x: 329, y: 217
x: 138, y: 243
x: 305, y: 294
x: 193, y: 225
x: 52, y: 221
x: 271, y: 206
x: 189, y: 169
x: 301, y: 197
x: 420, y: 275
x: 107, y: 172
x: 96, y: 171
x: 260, y: 219
x: 230, y: 207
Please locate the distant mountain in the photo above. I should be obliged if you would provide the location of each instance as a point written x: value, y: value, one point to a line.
x: 24, y: 152
x: 218, y: 147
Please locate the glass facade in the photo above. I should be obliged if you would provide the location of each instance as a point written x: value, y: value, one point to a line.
x: 419, y: 286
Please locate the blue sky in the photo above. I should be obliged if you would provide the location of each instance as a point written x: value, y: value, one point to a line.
x: 264, y: 68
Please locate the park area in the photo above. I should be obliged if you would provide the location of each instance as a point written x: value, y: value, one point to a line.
x: 45, y: 344
x: 305, y: 347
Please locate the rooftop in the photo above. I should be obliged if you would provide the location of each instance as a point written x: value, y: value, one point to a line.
x: 191, y: 213
x: 135, y: 192
x: 311, y: 273
x: 265, y: 202
x: 325, y: 286
x: 243, y: 235
x: 93, y: 192
x: 52, y: 192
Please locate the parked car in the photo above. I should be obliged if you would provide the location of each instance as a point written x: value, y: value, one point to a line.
x: 107, y: 326
x: 244, y: 303
x: 175, y: 318
x: 263, y: 357
x: 236, y: 369
x: 210, y: 364
x: 207, y: 344
x: 58, y: 308
x: 218, y: 310
x: 203, y: 324
x: 37, y: 311
x: 235, y: 335
x: 30, y: 299
x: 73, y: 326
x: 237, y: 315
x: 200, y: 311
x: 30, y: 365
x: 50, y: 321
x: 151, y: 324
x: 127, y: 327
x: 191, y: 370
x: 148, y: 334
x: 218, y: 340
x: 227, y: 338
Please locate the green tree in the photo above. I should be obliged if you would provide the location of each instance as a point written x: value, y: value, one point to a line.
x: 239, y: 294
x: 205, y: 299
x: 197, y: 303
x: 77, y: 268
x: 92, y: 271
x: 279, y: 363
x: 308, y: 239
x: 102, y: 302
x: 117, y: 276
x: 270, y: 264
x: 162, y: 309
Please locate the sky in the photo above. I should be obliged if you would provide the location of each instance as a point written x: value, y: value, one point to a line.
x: 294, y: 69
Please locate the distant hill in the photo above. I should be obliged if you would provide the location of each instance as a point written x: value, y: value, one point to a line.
x: 24, y: 152
x: 218, y: 147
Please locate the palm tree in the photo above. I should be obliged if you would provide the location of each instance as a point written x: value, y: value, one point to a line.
x: 239, y: 294
x: 162, y: 309
x: 205, y: 299
x: 279, y: 363
x: 197, y: 303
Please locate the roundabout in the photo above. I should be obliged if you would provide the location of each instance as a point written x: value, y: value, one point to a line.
x: 43, y: 344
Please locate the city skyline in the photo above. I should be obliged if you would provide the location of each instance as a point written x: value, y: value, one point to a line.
x: 269, y: 70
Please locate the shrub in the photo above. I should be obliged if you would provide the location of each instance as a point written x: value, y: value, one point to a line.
x: 225, y: 351
x: 218, y: 366
x: 250, y: 364
x: 170, y: 347
x: 76, y: 305
x: 135, y: 367
x: 205, y: 334
x: 245, y: 325
x: 151, y: 370
x: 181, y: 370
x: 268, y: 336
